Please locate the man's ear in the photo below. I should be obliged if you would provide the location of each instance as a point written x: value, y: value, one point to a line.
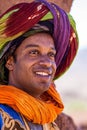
x: 10, y: 63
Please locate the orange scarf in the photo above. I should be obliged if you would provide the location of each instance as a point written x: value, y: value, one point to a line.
x: 41, y: 111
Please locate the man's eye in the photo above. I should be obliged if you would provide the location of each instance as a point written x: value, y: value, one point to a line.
x: 34, y: 52
x: 52, y: 54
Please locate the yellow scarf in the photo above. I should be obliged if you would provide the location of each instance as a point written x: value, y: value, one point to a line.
x: 41, y: 111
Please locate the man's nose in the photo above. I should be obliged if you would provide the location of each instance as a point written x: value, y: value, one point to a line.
x: 45, y: 61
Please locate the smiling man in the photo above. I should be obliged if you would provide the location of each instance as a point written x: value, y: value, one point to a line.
x: 38, y: 42
x: 34, y: 58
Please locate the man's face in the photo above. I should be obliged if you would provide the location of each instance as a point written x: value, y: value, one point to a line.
x: 35, y: 66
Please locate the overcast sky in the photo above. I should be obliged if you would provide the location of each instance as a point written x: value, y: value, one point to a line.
x: 79, y: 12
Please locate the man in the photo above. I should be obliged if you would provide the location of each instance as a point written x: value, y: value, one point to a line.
x: 38, y: 42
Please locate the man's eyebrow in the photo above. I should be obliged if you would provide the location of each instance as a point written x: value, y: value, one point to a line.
x: 35, y: 45
x: 31, y: 45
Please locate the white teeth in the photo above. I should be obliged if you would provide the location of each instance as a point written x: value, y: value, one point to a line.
x: 42, y: 73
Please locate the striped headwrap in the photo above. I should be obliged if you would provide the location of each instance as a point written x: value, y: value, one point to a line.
x: 25, y: 19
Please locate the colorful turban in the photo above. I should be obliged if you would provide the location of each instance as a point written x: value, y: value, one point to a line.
x: 24, y: 19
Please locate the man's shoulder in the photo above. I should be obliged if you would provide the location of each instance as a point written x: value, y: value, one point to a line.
x: 10, y: 119
x: 65, y: 122
x: 7, y: 109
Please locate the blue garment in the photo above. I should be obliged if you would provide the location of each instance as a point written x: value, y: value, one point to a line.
x: 11, y: 120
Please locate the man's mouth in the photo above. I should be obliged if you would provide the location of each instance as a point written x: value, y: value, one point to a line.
x: 43, y: 73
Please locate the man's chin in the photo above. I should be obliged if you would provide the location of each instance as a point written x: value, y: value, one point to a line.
x: 44, y: 86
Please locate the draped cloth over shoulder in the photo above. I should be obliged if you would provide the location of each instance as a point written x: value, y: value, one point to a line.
x: 48, y: 17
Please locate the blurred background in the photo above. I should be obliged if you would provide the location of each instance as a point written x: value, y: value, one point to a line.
x: 73, y: 84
